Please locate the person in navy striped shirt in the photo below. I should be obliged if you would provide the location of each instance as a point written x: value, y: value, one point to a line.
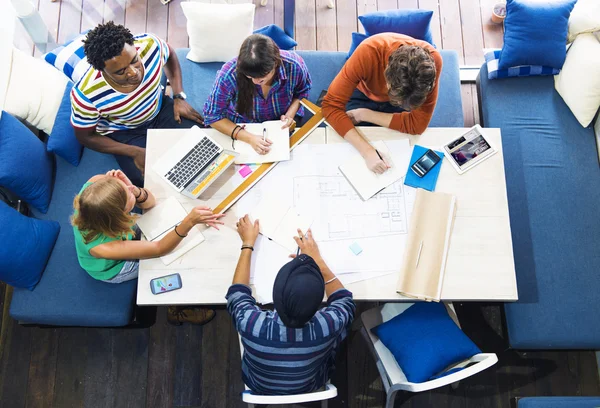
x: 292, y: 349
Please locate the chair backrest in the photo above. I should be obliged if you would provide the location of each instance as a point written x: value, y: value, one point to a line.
x: 330, y: 391
x: 388, y: 366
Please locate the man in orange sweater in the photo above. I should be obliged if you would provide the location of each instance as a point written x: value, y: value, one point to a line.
x: 391, y: 80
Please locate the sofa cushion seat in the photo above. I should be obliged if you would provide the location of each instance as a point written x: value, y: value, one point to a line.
x: 66, y: 295
x: 198, y: 80
x: 559, y: 402
x: 553, y: 186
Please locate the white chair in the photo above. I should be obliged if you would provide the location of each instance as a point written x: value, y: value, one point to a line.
x: 392, y: 376
x: 250, y: 398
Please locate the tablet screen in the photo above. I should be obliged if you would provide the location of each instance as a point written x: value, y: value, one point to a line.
x: 470, y: 150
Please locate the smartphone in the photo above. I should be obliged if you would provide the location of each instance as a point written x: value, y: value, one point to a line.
x: 165, y: 284
x: 321, y: 97
x: 425, y: 163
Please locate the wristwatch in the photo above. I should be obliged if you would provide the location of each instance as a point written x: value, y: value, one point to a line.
x: 180, y: 95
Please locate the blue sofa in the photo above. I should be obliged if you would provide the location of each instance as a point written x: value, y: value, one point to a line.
x: 559, y: 402
x: 67, y: 296
x: 553, y: 186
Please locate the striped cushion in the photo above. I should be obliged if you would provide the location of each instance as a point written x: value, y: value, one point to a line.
x: 493, y: 56
x: 70, y: 58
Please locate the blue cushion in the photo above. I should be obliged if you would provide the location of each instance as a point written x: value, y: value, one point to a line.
x: 26, y: 246
x: 493, y: 56
x: 25, y: 165
x: 357, y: 38
x: 66, y: 295
x: 414, y: 23
x: 554, y: 215
x: 62, y: 140
x: 535, y: 33
x: 559, y: 402
x: 70, y: 58
x: 425, y: 341
x: 283, y: 41
x: 198, y: 80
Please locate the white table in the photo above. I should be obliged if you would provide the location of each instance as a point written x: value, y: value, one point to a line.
x: 480, y: 263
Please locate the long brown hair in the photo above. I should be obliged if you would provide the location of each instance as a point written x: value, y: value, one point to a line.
x: 258, y: 56
x: 100, y: 209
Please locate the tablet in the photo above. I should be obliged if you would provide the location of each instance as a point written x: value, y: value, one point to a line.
x: 469, y: 150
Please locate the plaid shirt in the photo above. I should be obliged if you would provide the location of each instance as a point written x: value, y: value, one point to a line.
x: 291, y: 82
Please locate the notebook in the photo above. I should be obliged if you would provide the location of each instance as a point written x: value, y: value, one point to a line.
x: 424, y: 262
x: 280, y: 149
x: 428, y: 181
x: 280, y: 223
x: 160, y: 220
x: 364, y: 181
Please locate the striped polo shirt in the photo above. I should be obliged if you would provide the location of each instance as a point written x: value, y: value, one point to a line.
x: 282, y: 360
x: 94, y: 103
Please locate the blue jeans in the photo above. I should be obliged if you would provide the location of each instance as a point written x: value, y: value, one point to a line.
x: 360, y: 100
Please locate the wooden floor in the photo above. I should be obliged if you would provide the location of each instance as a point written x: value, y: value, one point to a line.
x: 461, y: 25
x: 189, y: 366
x: 165, y: 366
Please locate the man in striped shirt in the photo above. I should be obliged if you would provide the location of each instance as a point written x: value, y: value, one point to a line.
x: 292, y: 349
x: 120, y: 97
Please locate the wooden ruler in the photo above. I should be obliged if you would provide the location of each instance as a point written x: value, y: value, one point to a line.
x: 264, y: 168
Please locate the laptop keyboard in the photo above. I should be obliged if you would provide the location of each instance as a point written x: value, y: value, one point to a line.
x: 202, y: 154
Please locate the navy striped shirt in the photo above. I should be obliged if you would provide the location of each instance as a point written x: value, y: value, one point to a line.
x: 281, y: 360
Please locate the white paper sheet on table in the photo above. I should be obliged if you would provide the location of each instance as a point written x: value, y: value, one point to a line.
x: 280, y: 149
x: 280, y: 222
x: 268, y: 258
x: 367, y: 183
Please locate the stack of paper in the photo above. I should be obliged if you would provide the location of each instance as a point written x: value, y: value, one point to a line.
x: 160, y: 220
x: 280, y: 149
x: 364, y: 181
x: 424, y: 263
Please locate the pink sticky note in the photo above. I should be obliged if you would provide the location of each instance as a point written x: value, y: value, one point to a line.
x: 245, y: 170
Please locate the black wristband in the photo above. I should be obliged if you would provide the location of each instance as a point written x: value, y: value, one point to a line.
x: 234, y: 129
x: 180, y: 236
x: 143, y: 200
x: 139, y: 195
x: 247, y: 247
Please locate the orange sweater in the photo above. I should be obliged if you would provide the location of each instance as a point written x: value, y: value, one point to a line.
x: 365, y: 70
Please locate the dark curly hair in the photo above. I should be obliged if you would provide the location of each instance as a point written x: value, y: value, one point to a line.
x: 411, y: 76
x: 104, y: 42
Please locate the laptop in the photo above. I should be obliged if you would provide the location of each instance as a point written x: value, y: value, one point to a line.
x: 193, y: 163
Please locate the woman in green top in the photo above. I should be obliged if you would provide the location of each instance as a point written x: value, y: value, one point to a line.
x: 105, y: 228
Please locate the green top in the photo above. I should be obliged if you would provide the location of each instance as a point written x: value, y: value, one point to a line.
x: 98, y: 268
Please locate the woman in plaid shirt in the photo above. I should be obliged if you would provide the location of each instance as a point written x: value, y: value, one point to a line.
x: 263, y: 83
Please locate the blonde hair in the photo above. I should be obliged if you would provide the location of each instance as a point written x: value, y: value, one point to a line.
x: 100, y: 209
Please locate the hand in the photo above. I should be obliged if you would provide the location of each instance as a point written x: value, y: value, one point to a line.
x: 139, y: 159
x: 374, y: 163
x: 247, y: 230
x: 205, y: 215
x: 308, y: 245
x: 120, y: 175
x: 182, y: 109
x: 287, y: 121
x: 259, y: 145
x: 358, y: 115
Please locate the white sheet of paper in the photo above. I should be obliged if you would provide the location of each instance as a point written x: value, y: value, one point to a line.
x: 160, y: 220
x: 365, y: 182
x: 268, y: 259
x: 280, y: 222
x: 280, y: 149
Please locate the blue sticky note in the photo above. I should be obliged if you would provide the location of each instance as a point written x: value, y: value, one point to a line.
x: 428, y: 181
x: 355, y: 248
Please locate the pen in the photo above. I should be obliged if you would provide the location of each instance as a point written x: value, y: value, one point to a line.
x: 419, y: 254
x: 378, y: 154
x: 264, y: 134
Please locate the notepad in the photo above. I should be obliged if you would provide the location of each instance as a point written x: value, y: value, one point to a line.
x: 364, y: 181
x: 280, y: 149
x: 160, y: 220
x: 280, y: 223
x: 424, y: 263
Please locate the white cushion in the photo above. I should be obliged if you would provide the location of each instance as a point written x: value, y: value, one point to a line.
x: 35, y: 91
x: 216, y: 31
x: 579, y: 81
x: 585, y: 18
